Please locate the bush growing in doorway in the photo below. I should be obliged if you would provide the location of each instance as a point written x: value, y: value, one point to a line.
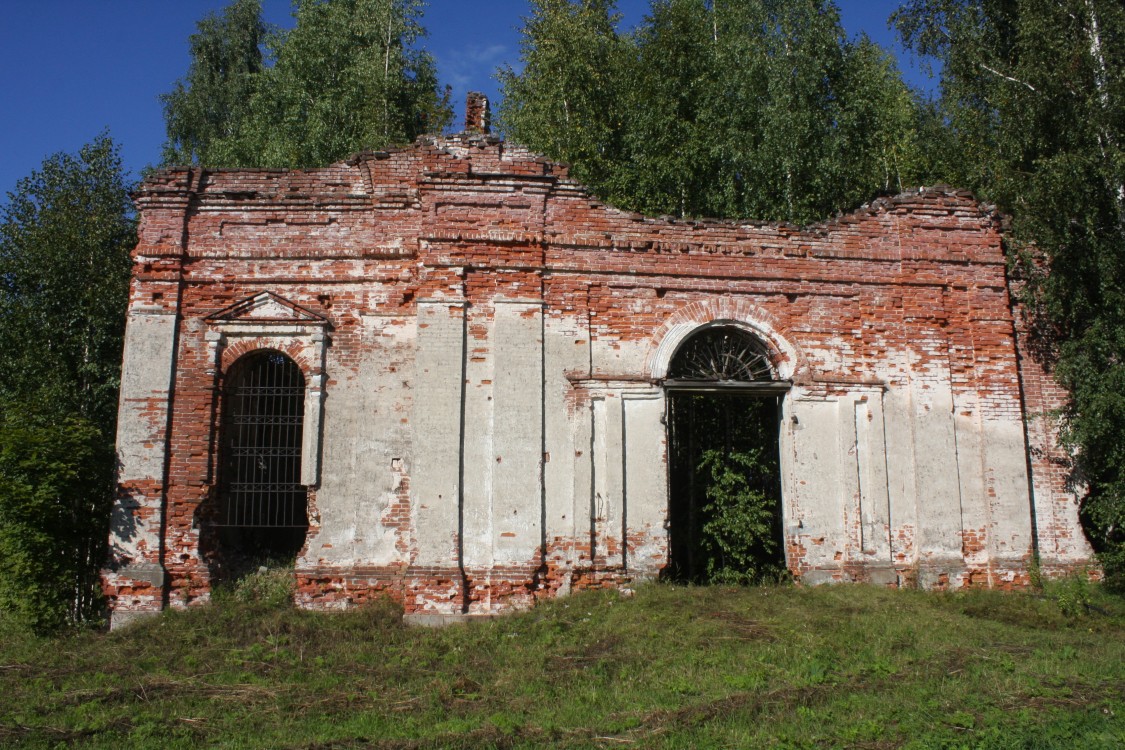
x: 739, y: 530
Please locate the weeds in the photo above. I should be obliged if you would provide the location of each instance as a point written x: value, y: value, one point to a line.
x: 270, y: 587
x: 1074, y: 595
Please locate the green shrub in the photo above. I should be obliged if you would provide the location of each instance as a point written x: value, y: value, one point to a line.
x: 738, y: 534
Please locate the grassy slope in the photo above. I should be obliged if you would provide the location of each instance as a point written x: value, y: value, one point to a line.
x: 671, y: 667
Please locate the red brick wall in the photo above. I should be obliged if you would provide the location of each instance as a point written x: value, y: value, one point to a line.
x: 474, y: 219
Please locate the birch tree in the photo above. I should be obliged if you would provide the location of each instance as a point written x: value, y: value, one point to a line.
x: 208, y: 112
x: 568, y: 100
x: 65, y: 237
x: 758, y: 109
x: 348, y: 76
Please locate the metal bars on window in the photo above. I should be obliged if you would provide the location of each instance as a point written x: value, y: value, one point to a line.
x: 263, y: 425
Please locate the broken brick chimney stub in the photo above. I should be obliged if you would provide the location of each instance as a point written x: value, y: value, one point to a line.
x: 478, y: 117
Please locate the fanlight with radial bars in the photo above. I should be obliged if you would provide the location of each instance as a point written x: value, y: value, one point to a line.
x: 722, y: 354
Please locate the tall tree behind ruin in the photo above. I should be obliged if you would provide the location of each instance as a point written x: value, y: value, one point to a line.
x: 568, y: 100
x: 347, y: 77
x: 1034, y: 94
x: 759, y: 109
x: 208, y: 114
x: 65, y: 238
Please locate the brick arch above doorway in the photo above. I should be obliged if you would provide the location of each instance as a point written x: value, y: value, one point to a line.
x: 787, y: 360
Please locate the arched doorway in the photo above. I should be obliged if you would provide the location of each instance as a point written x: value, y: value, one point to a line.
x: 261, y: 515
x: 724, y: 405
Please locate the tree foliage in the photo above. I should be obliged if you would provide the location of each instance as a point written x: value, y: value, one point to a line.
x: 568, y: 100
x: 347, y: 77
x: 756, y: 108
x: 54, y: 504
x: 1033, y: 92
x: 208, y: 115
x: 740, y: 519
x: 65, y: 238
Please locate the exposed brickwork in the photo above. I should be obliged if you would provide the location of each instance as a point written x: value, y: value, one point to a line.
x: 1057, y: 492
x: 478, y: 117
x: 905, y: 296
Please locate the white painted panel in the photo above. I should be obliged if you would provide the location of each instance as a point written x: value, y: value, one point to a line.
x: 517, y: 500
x: 874, y: 500
x: 939, y: 488
x: 603, y: 483
x: 437, y: 430
x: 1006, y: 480
x: 367, y: 447
x: 566, y: 469
x: 970, y: 476
x: 850, y: 468
x: 646, y: 480
x: 902, y: 486
x: 146, y: 378
x: 817, y: 505
x: 479, y: 453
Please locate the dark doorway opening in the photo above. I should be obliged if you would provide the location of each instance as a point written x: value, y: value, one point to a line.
x: 725, y: 488
x: 261, y: 517
x: 724, y: 514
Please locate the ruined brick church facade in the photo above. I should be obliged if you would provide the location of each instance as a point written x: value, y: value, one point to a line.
x: 477, y: 355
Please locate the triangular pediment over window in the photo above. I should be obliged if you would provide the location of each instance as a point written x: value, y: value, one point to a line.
x: 266, y: 308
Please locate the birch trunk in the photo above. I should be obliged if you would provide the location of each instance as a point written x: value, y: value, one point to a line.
x: 1106, y: 138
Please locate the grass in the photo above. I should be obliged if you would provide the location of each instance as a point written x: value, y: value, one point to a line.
x: 672, y: 667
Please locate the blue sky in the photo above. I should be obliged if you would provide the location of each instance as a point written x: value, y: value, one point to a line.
x: 72, y: 68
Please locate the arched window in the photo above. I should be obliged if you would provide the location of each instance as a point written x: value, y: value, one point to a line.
x: 722, y: 354
x: 262, y: 433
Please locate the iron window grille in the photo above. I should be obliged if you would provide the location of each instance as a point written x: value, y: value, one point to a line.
x: 263, y: 426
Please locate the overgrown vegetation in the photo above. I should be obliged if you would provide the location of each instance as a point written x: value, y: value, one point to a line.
x: 761, y: 109
x: 65, y: 237
x: 49, y: 515
x: 725, y: 489
x: 740, y: 518
x: 672, y: 667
